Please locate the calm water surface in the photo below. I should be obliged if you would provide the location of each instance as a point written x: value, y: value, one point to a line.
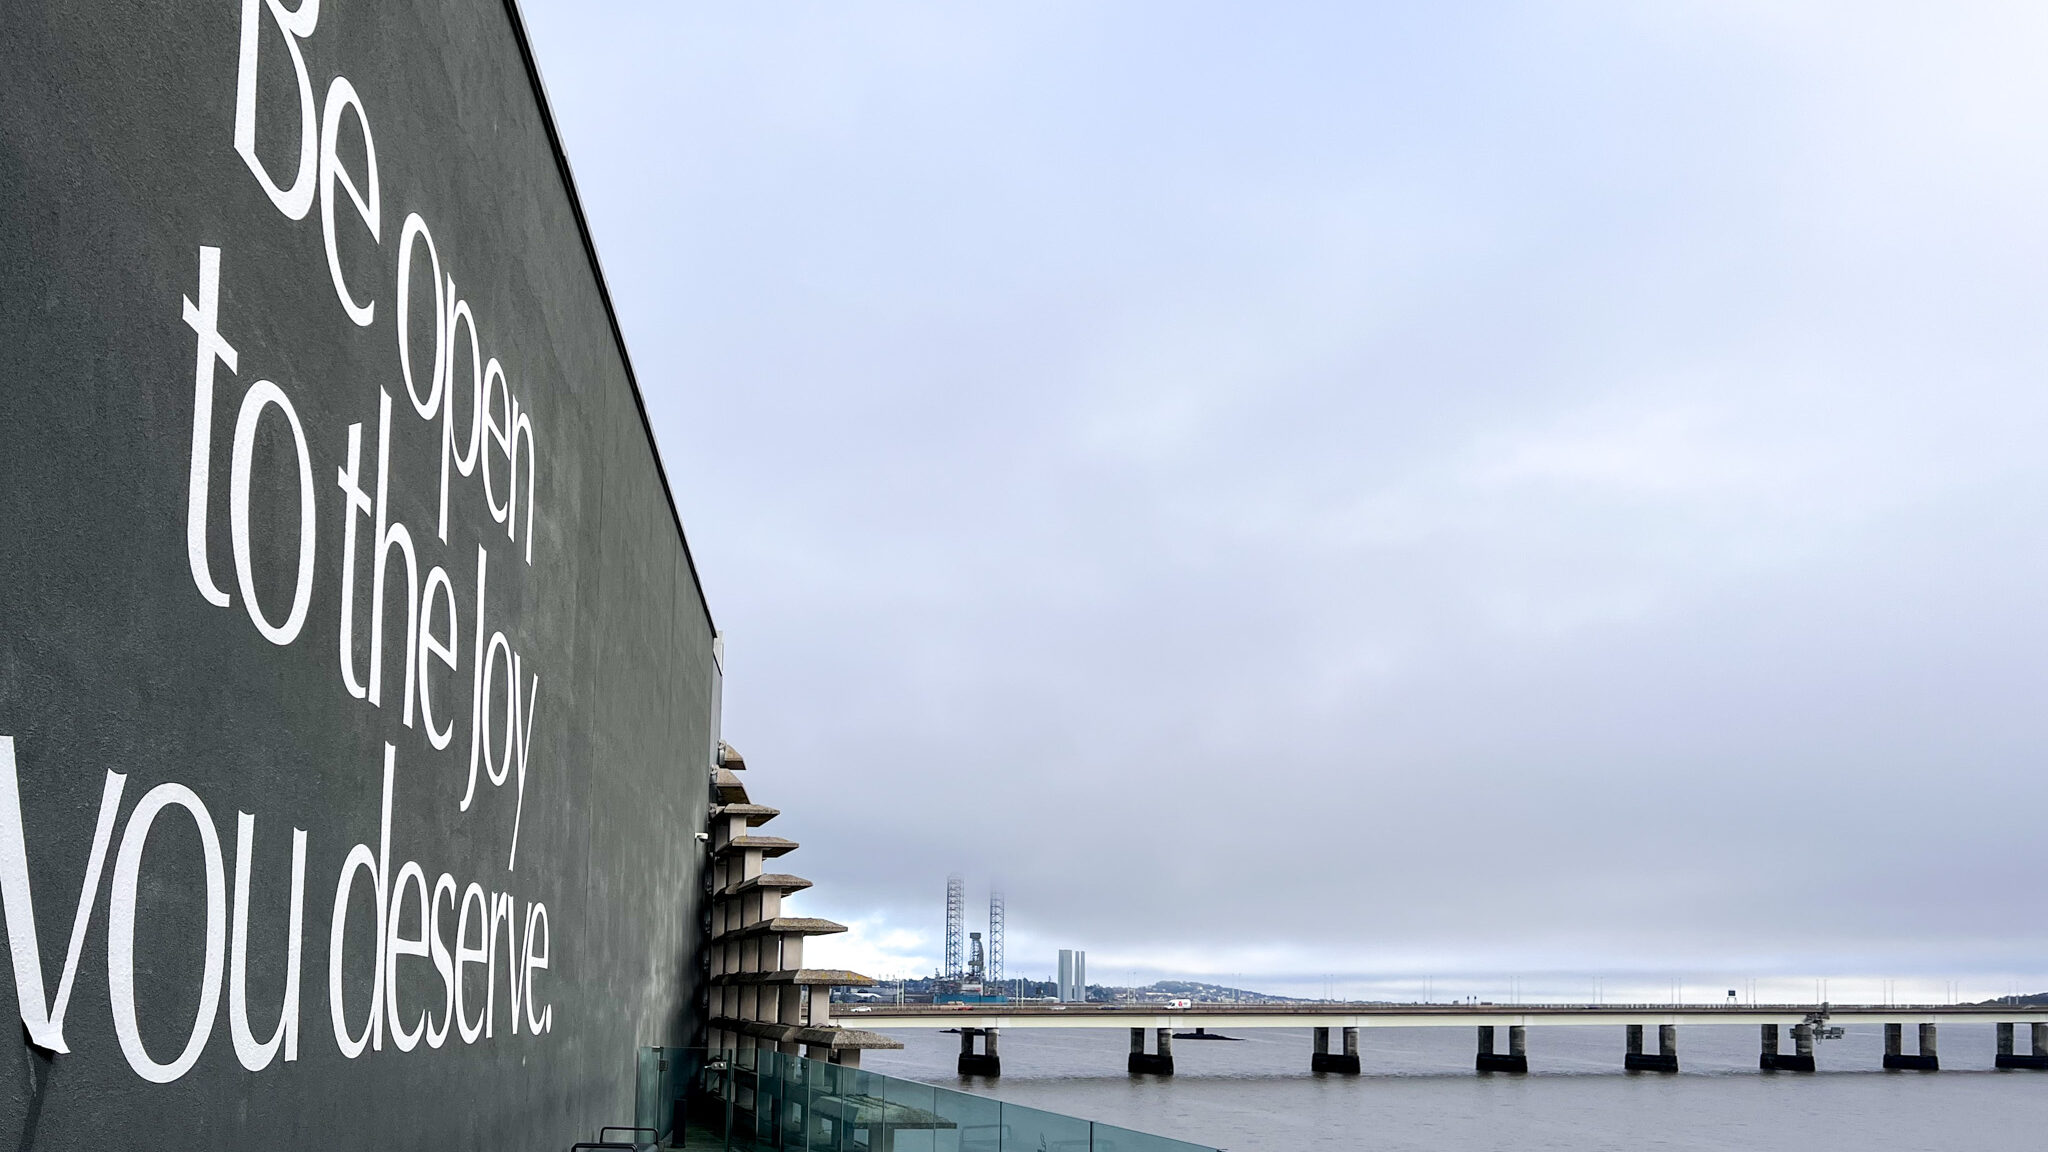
x: 1418, y: 1092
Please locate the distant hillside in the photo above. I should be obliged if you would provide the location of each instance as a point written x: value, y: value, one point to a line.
x: 1201, y: 993
x: 2030, y: 1000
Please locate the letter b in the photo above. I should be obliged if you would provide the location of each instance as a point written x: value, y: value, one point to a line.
x: 295, y: 26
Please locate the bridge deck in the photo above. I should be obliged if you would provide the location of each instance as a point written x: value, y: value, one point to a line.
x: 886, y: 1016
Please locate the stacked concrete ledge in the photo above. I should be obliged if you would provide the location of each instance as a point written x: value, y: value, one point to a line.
x: 762, y: 996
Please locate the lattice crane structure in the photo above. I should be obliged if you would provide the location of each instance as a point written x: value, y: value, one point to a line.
x: 995, y: 938
x: 956, y: 915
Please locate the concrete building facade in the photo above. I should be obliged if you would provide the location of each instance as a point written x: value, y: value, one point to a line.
x: 1073, y: 977
x: 357, y: 689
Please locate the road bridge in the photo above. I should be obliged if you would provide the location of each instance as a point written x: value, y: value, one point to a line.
x: 985, y: 1022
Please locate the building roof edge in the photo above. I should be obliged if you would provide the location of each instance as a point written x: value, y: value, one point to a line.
x: 604, y: 292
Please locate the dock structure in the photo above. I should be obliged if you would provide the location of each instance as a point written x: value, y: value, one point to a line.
x: 1635, y: 1020
x: 761, y: 993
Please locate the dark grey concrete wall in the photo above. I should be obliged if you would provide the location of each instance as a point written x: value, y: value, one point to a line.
x: 135, y: 704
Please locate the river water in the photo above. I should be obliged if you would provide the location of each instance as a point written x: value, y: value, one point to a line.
x: 1418, y: 1092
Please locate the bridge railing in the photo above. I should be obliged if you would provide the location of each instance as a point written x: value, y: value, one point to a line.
x: 772, y: 1100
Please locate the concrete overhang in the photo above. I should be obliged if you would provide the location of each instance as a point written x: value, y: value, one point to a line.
x: 730, y: 790
x: 766, y: 845
x: 782, y: 926
x: 766, y: 882
x: 839, y: 1038
x: 835, y: 977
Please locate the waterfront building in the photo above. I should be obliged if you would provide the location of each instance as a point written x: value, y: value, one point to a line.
x: 357, y: 690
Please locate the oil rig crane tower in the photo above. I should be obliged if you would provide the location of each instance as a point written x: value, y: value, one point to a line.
x: 995, y: 939
x: 968, y: 965
x: 956, y: 912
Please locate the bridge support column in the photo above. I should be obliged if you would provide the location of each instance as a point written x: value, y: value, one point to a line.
x: 1159, y: 1062
x: 983, y: 1063
x: 1896, y: 1058
x: 1801, y: 1060
x: 1664, y: 1059
x: 1515, y: 1059
x: 2038, y: 1058
x: 1323, y: 1060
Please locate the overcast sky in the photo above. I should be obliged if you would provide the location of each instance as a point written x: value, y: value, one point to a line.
x: 1377, y: 497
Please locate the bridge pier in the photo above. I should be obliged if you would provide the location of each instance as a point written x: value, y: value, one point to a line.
x: 986, y: 1062
x: 1159, y: 1062
x: 1515, y: 1059
x: 1664, y: 1059
x: 1895, y: 1057
x: 2038, y: 1058
x: 1323, y: 1060
x: 1800, y: 1060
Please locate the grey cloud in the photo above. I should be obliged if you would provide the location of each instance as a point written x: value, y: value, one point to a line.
x: 1336, y: 488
